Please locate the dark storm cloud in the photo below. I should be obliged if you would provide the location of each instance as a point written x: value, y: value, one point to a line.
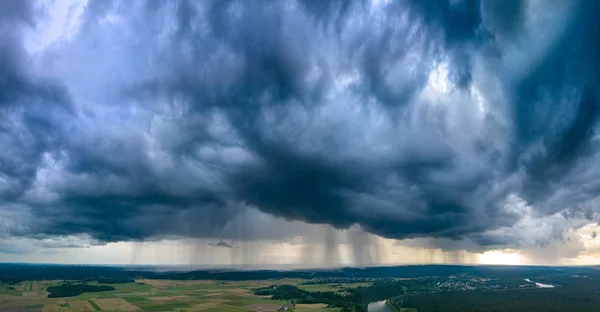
x: 407, y: 118
x: 556, y: 114
x: 220, y: 244
x: 31, y: 108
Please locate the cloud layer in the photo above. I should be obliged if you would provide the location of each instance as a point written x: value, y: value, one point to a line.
x: 461, y: 120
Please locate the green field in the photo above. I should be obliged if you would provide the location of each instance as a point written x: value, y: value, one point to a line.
x: 226, y: 308
x: 120, y: 290
x: 163, y: 295
x: 94, y: 305
x: 26, y: 286
x: 4, y: 290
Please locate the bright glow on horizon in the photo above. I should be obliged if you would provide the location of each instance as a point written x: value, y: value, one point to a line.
x: 499, y: 257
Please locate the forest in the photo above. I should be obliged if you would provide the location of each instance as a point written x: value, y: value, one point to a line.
x: 71, y: 290
x: 353, y: 301
x: 15, y: 272
x: 477, y: 294
x: 547, y: 300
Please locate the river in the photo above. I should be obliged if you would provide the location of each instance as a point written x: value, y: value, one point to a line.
x: 378, y: 306
x: 540, y: 284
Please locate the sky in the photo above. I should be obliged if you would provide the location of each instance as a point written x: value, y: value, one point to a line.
x: 299, y: 133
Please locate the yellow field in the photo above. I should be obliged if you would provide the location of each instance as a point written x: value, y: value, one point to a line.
x: 115, y: 304
x: 50, y: 307
x: 80, y: 306
x: 204, y: 306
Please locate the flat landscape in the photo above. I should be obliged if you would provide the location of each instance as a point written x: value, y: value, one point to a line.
x: 157, y: 295
x: 427, y: 288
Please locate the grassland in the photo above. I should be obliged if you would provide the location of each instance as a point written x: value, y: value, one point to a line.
x: 159, y: 295
x: 313, y: 308
x: 5, y: 290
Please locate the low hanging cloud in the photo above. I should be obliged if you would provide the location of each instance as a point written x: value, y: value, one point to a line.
x: 220, y: 244
x: 473, y: 120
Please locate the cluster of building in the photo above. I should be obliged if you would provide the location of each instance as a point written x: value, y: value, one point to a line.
x: 470, y: 284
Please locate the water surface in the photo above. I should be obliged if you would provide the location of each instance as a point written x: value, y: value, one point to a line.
x: 378, y: 306
x: 540, y: 284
